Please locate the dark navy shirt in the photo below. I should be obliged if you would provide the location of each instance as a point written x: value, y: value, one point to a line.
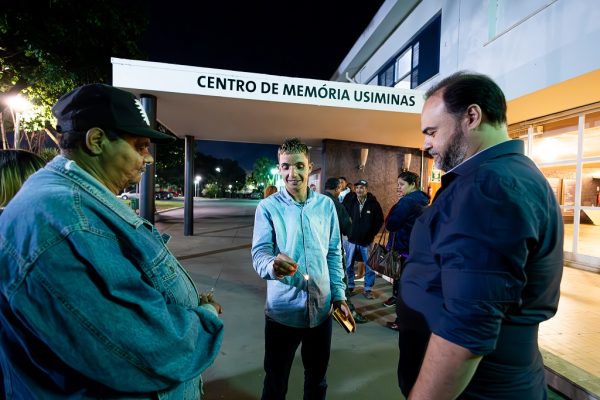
x: 485, y: 266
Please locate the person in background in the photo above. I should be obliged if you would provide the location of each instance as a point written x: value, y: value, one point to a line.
x: 344, y: 188
x: 359, y: 265
x: 15, y: 167
x: 313, y: 187
x: 92, y: 302
x: 349, y: 197
x: 269, y: 190
x: 296, y: 249
x: 486, y: 258
x: 399, y: 223
x: 367, y: 218
x: 333, y: 187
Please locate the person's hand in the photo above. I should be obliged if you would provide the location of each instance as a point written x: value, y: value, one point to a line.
x: 343, y: 307
x: 209, y: 298
x: 284, y: 266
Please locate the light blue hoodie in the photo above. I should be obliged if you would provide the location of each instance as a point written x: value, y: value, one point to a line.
x: 309, y: 233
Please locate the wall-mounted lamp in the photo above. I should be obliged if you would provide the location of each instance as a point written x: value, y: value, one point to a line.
x: 407, y: 160
x: 364, y: 153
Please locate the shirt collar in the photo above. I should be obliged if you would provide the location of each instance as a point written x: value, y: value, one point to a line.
x: 88, y: 183
x: 289, y: 199
x: 472, y: 163
x: 497, y: 150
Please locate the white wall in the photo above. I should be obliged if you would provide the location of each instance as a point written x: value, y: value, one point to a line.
x: 560, y: 42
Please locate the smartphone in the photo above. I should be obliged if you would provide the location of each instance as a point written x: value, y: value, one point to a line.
x: 341, y: 319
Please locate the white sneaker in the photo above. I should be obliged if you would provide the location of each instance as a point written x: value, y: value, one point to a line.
x: 359, y: 279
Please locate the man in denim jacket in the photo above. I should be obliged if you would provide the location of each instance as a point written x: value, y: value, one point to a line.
x: 296, y: 249
x: 92, y: 303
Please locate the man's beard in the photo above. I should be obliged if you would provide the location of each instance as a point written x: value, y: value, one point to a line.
x: 456, y: 151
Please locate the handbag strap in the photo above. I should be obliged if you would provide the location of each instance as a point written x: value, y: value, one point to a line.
x: 382, y: 236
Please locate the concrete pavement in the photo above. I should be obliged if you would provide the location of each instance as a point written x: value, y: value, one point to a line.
x: 362, y: 365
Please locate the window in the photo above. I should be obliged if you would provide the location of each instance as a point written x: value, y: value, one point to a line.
x: 418, y: 61
x: 556, y: 141
x: 403, y: 66
x: 591, y: 136
x: 573, y: 174
x: 386, y: 78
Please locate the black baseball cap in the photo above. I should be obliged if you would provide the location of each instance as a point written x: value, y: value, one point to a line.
x: 106, y: 107
x: 362, y: 182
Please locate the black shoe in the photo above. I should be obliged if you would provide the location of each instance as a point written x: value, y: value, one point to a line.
x: 391, y: 302
x: 359, y: 319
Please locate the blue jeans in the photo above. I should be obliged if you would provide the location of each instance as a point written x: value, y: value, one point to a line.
x: 369, y: 273
x: 281, y: 342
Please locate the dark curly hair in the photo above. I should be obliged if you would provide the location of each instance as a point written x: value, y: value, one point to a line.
x: 293, y: 146
x: 409, y: 177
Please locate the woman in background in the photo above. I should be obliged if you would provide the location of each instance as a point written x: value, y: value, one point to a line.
x: 400, y: 221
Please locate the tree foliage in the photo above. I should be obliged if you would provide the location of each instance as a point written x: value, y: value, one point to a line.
x: 262, y: 170
x: 53, y: 46
x: 170, y: 165
x: 49, y: 48
x: 170, y: 169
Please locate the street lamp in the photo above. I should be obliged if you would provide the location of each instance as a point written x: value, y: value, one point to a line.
x: 218, y: 169
x: 196, y: 184
x: 17, y: 105
x: 230, y: 194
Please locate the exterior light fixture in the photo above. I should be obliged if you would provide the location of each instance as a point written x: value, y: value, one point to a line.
x: 364, y: 153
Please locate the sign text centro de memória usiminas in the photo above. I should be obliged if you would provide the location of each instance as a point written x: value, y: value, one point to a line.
x: 321, y: 92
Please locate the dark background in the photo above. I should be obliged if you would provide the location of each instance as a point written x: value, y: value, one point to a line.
x: 304, y: 39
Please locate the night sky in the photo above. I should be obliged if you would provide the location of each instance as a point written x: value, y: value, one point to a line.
x: 304, y: 39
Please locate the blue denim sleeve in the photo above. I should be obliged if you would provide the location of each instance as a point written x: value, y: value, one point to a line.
x: 487, y: 237
x: 263, y: 243
x: 96, y: 310
x: 334, y: 258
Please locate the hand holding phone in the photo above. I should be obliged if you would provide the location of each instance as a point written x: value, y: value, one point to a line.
x: 343, y: 316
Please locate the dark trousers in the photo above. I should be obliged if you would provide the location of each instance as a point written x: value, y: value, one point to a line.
x: 281, y: 343
x: 412, y: 346
x: 413, y: 337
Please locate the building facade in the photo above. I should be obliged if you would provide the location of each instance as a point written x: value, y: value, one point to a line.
x: 543, y: 54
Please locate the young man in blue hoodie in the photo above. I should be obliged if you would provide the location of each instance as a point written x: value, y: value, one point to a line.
x: 296, y: 249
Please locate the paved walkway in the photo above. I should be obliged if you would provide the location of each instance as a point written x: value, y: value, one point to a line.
x: 363, y: 365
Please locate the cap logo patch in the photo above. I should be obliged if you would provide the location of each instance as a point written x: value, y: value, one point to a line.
x: 140, y: 108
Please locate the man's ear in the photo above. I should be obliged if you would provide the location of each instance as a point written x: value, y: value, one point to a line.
x: 310, y: 167
x: 94, y: 139
x: 474, y: 117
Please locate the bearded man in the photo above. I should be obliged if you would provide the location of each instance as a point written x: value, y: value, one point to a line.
x: 485, y: 258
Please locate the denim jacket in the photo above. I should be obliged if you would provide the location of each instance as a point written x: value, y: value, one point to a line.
x: 309, y: 233
x: 92, y: 303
